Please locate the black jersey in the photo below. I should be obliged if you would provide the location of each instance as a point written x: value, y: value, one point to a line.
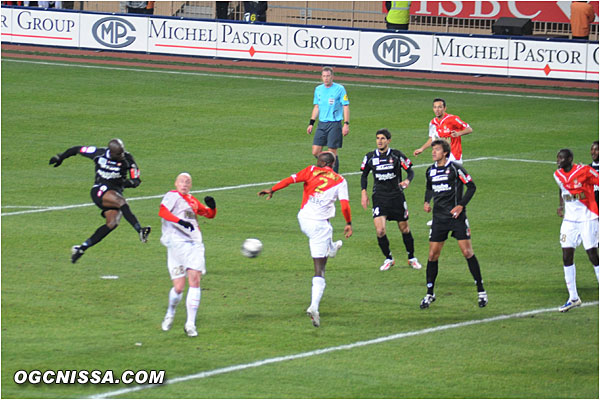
x: 387, y: 171
x: 117, y: 175
x: 445, y: 185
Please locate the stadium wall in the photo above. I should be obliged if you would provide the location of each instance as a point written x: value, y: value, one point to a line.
x: 432, y: 52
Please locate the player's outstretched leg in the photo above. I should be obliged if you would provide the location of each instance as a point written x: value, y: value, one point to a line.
x: 334, y: 247
x: 132, y: 219
x: 144, y: 233
x: 78, y: 251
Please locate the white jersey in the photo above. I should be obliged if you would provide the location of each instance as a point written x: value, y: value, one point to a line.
x: 173, y: 232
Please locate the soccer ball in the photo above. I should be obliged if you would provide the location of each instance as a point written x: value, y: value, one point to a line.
x: 251, y: 248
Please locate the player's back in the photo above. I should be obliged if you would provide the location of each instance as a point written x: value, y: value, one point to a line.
x: 322, y: 187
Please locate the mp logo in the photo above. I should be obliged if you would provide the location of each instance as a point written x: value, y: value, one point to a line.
x: 395, y: 50
x: 113, y: 32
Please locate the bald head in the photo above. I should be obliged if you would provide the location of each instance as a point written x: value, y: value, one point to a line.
x: 117, y: 149
x: 183, y: 183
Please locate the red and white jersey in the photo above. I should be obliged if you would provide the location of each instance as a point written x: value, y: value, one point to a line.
x: 442, y: 129
x: 183, y: 207
x: 577, y: 191
x: 322, y: 187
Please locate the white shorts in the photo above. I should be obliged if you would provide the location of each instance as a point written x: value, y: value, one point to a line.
x: 572, y: 234
x: 182, y: 256
x: 320, y: 233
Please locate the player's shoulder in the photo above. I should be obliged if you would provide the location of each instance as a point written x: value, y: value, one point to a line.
x: 558, y: 171
x: 170, y: 197
x: 590, y: 169
x: 370, y: 154
x: 456, y: 166
x: 92, y: 150
x: 398, y: 153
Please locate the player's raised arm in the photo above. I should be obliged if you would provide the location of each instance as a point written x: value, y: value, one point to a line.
x: 60, y: 157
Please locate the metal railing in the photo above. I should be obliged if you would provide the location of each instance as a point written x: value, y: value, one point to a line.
x: 352, y: 14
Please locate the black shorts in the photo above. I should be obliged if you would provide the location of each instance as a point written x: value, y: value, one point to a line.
x: 441, y: 226
x: 392, y: 207
x: 329, y: 134
x: 97, y: 192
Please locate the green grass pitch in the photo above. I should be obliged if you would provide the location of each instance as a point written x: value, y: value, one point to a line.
x: 228, y: 131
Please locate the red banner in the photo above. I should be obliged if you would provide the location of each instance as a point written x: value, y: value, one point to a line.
x: 546, y: 11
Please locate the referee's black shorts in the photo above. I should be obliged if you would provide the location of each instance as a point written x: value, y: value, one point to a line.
x: 393, y: 207
x: 441, y: 226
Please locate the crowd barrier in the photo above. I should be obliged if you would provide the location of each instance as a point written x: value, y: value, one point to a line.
x: 415, y: 51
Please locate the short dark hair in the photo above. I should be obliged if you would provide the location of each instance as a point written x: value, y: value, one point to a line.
x: 330, y: 69
x: 566, y: 153
x: 595, y: 142
x: 440, y: 99
x: 445, y: 145
x: 385, y: 133
x: 327, y: 157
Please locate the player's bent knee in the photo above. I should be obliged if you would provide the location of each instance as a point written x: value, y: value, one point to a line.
x: 179, y: 285
x: 112, y: 224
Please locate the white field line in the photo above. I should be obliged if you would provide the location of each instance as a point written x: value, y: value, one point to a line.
x: 256, y: 364
x: 265, y: 78
x: 39, y: 209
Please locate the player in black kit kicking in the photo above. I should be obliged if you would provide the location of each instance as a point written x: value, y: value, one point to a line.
x: 445, y: 183
x: 115, y: 170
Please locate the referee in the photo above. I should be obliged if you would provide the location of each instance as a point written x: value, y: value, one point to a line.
x: 331, y: 106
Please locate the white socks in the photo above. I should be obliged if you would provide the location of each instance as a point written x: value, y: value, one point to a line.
x: 571, y: 281
x: 192, y: 302
x: 596, y: 271
x: 174, y: 299
x: 318, y: 287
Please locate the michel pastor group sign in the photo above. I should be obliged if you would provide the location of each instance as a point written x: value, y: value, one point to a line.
x: 489, y: 55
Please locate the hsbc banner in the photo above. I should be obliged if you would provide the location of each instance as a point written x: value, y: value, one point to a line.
x: 303, y: 44
x: 545, y: 11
